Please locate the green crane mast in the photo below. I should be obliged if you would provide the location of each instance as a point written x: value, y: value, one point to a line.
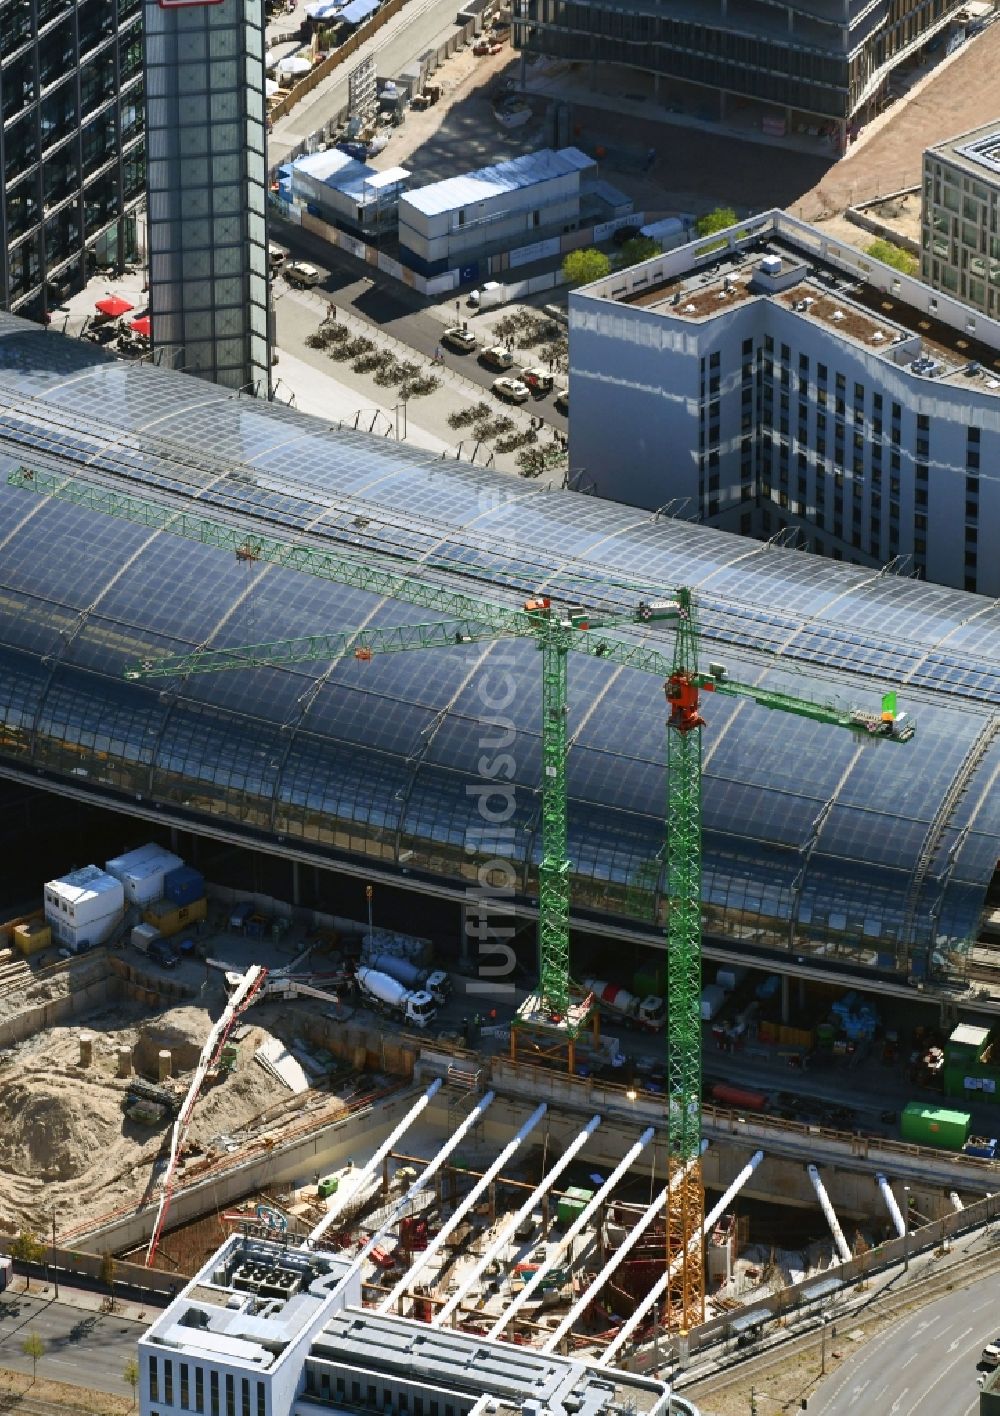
x: 557, y: 631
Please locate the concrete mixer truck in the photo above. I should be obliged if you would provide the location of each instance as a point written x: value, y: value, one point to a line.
x: 387, y: 995
x: 648, y: 1013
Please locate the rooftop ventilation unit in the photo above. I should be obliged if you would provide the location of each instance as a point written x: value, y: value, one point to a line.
x: 689, y: 309
x: 837, y: 316
x: 771, y: 265
x: 878, y: 337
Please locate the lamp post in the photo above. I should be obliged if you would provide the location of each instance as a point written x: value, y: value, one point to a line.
x: 822, y: 1364
x: 906, y: 1228
x: 368, y: 897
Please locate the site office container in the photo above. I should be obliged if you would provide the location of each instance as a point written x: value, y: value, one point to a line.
x: 171, y: 918
x: 183, y: 885
x: 82, y: 897
x: 934, y: 1126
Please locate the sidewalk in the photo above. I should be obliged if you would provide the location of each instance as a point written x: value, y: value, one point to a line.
x: 84, y: 1299
x: 334, y: 390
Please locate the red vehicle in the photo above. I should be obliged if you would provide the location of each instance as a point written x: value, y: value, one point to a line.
x: 726, y: 1095
x: 487, y: 46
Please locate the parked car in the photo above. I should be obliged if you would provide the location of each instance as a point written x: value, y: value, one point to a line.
x: 497, y: 357
x: 487, y: 46
x: 460, y: 338
x: 511, y: 390
x: 561, y: 400
x: 302, y: 275
x: 540, y: 381
x: 161, y: 953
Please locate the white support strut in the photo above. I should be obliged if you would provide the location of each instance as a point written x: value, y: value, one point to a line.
x: 660, y: 1287
x: 370, y: 1169
x: 622, y: 1168
x: 510, y: 1227
x: 619, y: 1256
x: 423, y: 1257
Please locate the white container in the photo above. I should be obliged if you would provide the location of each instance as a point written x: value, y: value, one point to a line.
x: 92, y: 933
x: 83, y: 897
x: 712, y: 999
x: 143, y: 881
x: 122, y: 864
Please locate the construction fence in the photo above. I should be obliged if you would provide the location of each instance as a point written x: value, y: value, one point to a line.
x: 428, y: 63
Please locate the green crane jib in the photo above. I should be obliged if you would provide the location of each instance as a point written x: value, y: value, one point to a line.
x: 557, y: 630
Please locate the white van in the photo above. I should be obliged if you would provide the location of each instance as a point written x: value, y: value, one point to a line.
x: 301, y: 274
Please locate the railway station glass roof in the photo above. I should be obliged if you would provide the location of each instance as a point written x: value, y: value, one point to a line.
x: 812, y: 834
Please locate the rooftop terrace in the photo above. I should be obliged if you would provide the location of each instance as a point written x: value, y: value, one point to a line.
x: 863, y: 301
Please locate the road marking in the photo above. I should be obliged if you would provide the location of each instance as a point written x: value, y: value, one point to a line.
x: 856, y: 1391
x: 909, y: 1359
x: 961, y: 1336
x: 898, y: 1402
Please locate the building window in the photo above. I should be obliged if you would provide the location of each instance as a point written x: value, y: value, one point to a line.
x: 154, y: 1380
x: 213, y: 1394
x: 168, y: 1381
x: 185, y: 1387
x: 261, y: 1400
x: 230, y: 1394
x: 245, y: 1396
x: 199, y: 1389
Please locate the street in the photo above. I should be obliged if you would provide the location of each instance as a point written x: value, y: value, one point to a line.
x: 924, y: 1365
x: 391, y: 309
x: 420, y: 25
x: 83, y: 1348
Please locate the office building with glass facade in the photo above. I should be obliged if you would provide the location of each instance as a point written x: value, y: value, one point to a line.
x: 960, y: 218
x: 205, y: 124
x: 801, y: 65
x: 71, y: 145
x: 775, y: 382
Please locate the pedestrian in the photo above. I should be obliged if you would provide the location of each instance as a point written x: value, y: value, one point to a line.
x: 458, y: 307
x: 439, y: 355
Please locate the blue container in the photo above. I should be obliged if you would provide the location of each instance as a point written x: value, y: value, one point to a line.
x: 184, y: 885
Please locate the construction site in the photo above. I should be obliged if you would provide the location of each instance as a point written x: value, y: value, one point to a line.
x: 492, y: 1191
x: 362, y: 670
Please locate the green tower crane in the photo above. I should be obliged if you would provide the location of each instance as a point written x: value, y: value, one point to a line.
x: 557, y: 631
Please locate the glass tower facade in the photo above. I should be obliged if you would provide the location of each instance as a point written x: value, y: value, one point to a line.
x: 71, y: 144
x: 205, y: 123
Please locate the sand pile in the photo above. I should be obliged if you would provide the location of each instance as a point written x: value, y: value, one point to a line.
x: 182, y: 1030
x: 50, y: 1134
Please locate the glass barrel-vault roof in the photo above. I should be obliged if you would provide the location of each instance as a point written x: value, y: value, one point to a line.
x: 812, y: 838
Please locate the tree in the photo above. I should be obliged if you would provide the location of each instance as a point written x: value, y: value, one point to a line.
x: 716, y: 220
x: 108, y: 1274
x: 639, y: 248
x: 131, y: 1374
x: 32, y: 1346
x: 892, y: 255
x: 27, y: 1248
x: 582, y: 267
